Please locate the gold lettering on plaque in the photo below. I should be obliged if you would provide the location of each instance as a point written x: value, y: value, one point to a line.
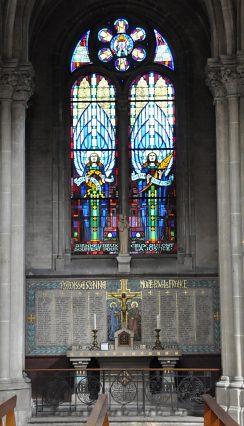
x: 84, y: 285
x: 163, y: 283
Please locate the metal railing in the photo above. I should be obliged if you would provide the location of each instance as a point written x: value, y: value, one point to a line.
x: 134, y: 392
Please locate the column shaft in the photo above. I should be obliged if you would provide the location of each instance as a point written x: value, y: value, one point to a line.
x: 225, y: 278
x: 5, y: 235
x: 18, y: 240
x: 235, y: 216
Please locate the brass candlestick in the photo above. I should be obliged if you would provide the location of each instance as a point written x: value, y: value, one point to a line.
x: 94, y: 346
x: 158, y: 344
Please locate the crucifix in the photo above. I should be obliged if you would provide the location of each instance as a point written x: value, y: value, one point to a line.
x: 124, y: 294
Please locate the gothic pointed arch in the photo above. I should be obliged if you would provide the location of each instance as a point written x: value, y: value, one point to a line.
x: 121, y: 46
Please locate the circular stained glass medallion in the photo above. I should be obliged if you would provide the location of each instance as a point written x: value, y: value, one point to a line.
x: 105, y: 54
x: 138, y: 54
x: 122, y: 64
x: 122, y: 45
x: 122, y: 49
x: 105, y: 35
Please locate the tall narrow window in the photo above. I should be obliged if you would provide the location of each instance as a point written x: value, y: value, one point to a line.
x: 117, y: 48
x: 93, y: 154
x: 152, y: 206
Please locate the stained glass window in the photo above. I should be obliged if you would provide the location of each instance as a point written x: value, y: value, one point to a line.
x: 93, y: 154
x: 81, y: 54
x: 152, y: 143
x: 120, y: 46
x: 163, y: 54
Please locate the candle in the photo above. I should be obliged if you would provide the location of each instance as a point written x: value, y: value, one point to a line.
x: 95, y: 322
x: 158, y: 321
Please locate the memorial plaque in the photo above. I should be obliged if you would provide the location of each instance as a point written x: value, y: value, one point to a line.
x: 186, y: 315
x: 204, y: 317
x: 168, y: 315
x: 60, y: 313
x: 44, y: 332
x: 149, y: 301
x: 81, y: 327
x: 98, y: 306
x: 62, y: 319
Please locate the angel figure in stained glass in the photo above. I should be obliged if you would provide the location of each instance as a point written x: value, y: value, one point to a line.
x: 94, y: 161
x: 152, y: 189
x: 152, y: 159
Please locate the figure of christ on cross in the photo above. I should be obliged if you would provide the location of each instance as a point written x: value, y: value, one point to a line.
x: 124, y: 295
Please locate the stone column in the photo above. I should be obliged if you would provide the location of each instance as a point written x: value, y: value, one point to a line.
x: 229, y: 389
x: 16, y: 383
x: 224, y: 232
x: 122, y: 105
x: 6, y: 92
x: 230, y: 79
x: 240, y: 71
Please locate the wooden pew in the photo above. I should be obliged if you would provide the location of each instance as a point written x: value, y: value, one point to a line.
x: 214, y: 415
x: 99, y: 414
x: 7, y: 409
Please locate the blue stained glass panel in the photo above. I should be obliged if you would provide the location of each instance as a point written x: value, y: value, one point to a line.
x: 94, y: 171
x: 152, y: 150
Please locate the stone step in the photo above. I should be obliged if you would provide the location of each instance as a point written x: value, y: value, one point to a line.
x: 123, y: 421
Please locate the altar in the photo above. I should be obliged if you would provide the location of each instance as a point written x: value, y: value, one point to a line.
x: 119, y: 359
x: 125, y: 375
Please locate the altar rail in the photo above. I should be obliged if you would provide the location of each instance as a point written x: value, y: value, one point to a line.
x: 214, y: 415
x: 154, y: 391
x: 7, y: 412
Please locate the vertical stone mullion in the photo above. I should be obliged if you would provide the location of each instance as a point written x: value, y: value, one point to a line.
x: 122, y: 106
x: 123, y: 258
x: 5, y: 234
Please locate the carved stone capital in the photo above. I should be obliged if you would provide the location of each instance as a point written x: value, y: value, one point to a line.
x: 215, y: 83
x: 16, y: 82
x: 240, y: 73
x: 230, y: 79
x: 24, y: 87
x: 7, y: 83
